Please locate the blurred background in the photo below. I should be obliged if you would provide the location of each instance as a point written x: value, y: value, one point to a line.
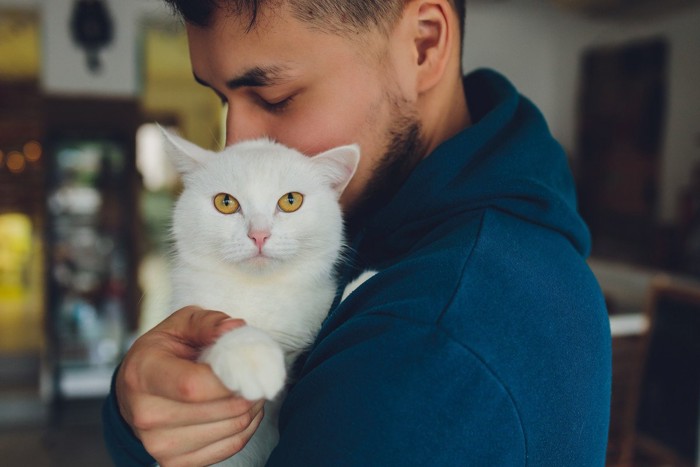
x: 86, y: 192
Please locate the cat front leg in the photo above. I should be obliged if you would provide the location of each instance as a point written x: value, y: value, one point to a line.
x: 249, y: 362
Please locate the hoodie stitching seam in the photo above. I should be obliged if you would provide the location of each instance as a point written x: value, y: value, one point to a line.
x: 468, y: 349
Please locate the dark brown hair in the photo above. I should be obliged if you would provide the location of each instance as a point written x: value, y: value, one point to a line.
x: 337, y: 16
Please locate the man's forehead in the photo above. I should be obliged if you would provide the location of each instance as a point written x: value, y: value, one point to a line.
x: 248, y: 16
x: 261, y: 57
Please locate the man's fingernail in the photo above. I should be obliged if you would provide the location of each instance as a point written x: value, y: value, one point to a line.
x: 232, y: 320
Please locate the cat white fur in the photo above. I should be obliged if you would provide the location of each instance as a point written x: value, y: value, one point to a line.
x: 282, y: 289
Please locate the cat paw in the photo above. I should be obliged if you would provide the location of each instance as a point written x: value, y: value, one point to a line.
x: 248, y: 361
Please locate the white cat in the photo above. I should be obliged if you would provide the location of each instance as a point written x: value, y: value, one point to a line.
x: 258, y: 232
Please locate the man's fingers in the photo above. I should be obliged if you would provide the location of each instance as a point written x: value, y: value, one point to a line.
x: 151, y: 368
x: 187, y: 381
x: 198, y: 327
x: 166, y: 364
x: 177, y: 405
x: 203, y: 444
x: 227, y: 447
x: 157, y: 413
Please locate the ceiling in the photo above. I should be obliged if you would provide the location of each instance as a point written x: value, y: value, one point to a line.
x: 624, y: 8
x: 604, y: 9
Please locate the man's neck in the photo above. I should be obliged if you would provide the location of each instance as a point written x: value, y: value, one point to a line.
x: 447, y: 114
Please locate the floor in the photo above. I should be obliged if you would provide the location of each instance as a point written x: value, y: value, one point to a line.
x: 74, y: 440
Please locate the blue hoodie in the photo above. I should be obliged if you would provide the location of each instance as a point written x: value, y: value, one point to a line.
x: 483, y: 340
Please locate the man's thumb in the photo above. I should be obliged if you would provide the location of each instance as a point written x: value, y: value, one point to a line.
x: 197, y: 327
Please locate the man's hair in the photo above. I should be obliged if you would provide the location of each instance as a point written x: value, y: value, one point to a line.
x: 336, y: 16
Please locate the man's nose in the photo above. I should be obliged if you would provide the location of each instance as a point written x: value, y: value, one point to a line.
x: 242, y: 125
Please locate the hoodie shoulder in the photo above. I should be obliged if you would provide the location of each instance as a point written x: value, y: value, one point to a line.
x: 507, y: 160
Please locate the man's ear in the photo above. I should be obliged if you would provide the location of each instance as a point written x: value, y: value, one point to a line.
x: 435, y: 29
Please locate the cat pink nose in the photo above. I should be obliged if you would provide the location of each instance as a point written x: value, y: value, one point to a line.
x: 259, y: 237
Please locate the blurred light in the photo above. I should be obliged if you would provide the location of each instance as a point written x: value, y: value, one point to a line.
x: 16, y: 162
x: 152, y: 161
x: 15, y: 245
x: 32, y: 151
x: 15, y: 256
x: 2, y: 157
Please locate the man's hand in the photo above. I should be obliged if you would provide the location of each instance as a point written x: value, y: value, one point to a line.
x: 177, y: 407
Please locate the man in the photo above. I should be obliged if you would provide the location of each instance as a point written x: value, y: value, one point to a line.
x: 483, y: 340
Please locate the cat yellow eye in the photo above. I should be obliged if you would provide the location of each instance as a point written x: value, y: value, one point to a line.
x: 290, y: 202
x: 226, y: 204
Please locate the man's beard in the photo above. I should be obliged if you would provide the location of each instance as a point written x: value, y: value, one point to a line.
x: 405, y: 148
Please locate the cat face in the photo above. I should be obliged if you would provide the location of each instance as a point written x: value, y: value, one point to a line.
x: 258, y: 206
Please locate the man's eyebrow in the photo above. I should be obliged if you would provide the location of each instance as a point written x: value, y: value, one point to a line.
x: 254, y: 77
x: 258, y: 77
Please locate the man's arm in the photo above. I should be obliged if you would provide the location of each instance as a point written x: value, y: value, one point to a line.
x: 124, y: 447
x: 385, y: 391
x: 166, y: 405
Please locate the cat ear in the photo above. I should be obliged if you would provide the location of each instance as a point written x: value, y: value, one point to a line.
x: 186, y: 156
x: 339, y: 165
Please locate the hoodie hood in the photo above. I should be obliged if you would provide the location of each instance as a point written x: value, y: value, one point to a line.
x: 507, y: 160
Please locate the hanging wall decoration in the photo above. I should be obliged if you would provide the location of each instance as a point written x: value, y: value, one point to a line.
x: 92, y: 29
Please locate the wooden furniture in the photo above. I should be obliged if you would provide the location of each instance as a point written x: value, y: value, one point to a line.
x: 668, y: 414
x: 656, y: 378
x: 630, y: 343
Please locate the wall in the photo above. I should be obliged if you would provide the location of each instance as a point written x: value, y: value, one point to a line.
x: 169, y: 88
x: 538, y: 46
x: 64, y: 64
x: 152, y: 64
x: 19, y: 45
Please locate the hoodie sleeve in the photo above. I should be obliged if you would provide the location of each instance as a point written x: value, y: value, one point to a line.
x: 123, y: 446
x: 404, y: 394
